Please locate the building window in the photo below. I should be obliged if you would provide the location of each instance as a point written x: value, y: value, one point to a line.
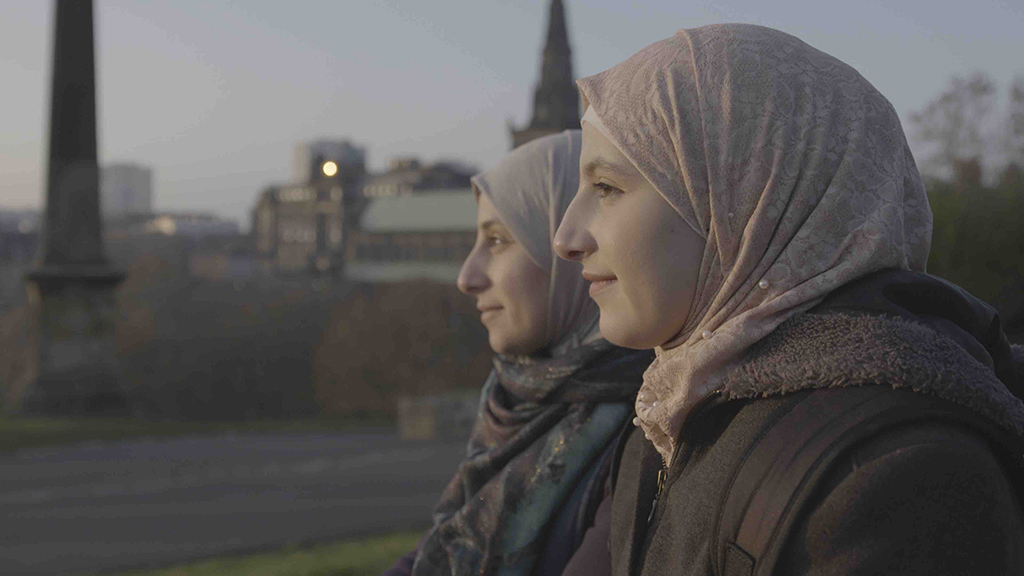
x: 297, y: 194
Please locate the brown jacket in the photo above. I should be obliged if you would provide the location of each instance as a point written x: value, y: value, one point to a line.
x: 924, y: 498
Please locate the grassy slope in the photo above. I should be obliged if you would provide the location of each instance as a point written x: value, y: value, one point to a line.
x: 368, y: 557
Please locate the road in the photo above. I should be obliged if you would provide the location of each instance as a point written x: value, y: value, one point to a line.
x: 99, y: 507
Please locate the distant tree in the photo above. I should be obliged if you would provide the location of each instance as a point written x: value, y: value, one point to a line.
x: 389, y: 340
x: 1012, y: 177
x: 199, y: 349
x: 953, y: 123
x: 977, y: 242
x: 963, y: 136
x: 1014, y: 138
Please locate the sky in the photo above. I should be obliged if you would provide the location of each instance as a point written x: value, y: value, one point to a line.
x: 214, y: 95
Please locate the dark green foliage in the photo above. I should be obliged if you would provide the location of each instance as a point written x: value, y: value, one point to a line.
x: 978, y: 240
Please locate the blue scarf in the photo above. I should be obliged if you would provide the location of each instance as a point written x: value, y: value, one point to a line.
x: 541, y: 425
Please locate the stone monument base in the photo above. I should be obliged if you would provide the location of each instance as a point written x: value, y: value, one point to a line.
x: 76, y: 371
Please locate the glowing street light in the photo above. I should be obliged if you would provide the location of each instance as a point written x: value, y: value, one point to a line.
x: 329, y: 168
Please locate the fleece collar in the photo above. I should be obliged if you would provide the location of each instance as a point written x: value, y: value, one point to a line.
x: 842, y: 348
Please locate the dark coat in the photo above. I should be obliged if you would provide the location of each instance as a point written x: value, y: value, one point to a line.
x: 924, y: 498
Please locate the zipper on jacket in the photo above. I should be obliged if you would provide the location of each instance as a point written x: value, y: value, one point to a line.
x: 649, y: 529
x: 657, y: 495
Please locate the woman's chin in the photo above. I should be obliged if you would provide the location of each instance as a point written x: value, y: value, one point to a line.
x: 612, y: 331
x: 623, y: 334
x: 501, y: 344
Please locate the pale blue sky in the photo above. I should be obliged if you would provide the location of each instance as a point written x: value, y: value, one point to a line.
x: 213, y: 95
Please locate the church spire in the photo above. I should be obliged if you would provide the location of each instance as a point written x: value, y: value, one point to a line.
x: 558, y: 37
x: 555, y: 100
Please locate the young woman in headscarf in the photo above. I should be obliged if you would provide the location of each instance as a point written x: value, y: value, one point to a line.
x: 750, y: 209
x: 524, y: 499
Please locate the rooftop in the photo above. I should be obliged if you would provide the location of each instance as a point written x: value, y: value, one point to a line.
x: 443, y: 210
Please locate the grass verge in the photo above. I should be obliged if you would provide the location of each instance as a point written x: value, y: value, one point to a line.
x: 369, y: 557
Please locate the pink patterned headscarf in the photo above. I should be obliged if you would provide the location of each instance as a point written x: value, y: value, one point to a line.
x: 789, y: 164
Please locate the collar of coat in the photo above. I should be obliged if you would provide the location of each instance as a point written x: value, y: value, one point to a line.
x: 837, y: 348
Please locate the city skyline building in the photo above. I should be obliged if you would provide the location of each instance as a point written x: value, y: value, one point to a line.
x: 324, y: 158
x: 333, y: 213
x: 300, y: 227
x: 389, y: 225
x: 408, y: 175
x: 126, y: 188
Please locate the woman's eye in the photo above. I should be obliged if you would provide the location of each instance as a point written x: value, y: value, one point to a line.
x: 604, y: 190
x: 496, y: 241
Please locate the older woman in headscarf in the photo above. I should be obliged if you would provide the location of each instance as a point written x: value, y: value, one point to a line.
x: 524, y: 499
x: 750, y: 209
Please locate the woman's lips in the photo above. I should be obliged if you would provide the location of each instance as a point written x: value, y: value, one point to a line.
x: 599, y: 284
x: 488, y: 312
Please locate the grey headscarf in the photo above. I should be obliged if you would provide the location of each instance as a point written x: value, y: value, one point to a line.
x: 789, y: 164
x: 531, y: 189
x: 543, y: 420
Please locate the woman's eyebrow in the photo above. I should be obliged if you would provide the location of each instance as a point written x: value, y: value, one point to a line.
x: 491, y: 226
x: 602, y: 164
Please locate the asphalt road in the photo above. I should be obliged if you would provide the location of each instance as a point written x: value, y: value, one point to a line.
x: 99, y: 507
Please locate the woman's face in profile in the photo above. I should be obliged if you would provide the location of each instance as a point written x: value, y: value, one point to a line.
x: 641, y: 257
x: 511, y: 291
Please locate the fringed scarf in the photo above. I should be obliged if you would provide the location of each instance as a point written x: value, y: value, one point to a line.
x: 540, y: 426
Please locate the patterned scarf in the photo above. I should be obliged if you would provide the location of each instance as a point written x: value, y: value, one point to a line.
x: 542, y: 423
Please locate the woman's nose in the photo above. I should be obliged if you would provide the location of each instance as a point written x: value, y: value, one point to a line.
x: 572, y: 240
x: 565, y: 250
x: 472, y: 276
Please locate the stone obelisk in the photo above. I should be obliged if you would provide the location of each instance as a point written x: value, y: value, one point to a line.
x: 71, y: 287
